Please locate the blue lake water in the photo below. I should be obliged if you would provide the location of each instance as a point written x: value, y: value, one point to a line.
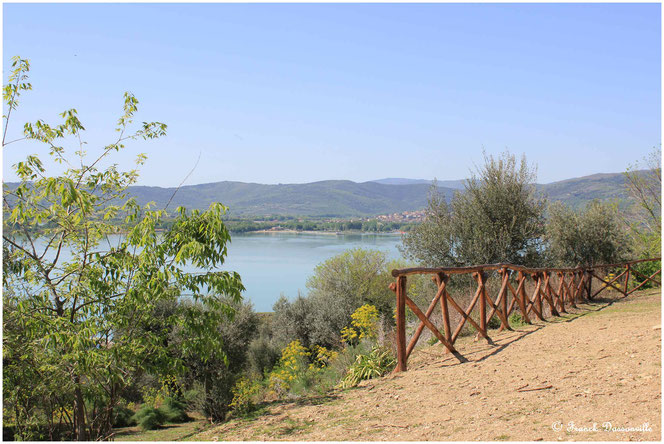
x: 272, y: 264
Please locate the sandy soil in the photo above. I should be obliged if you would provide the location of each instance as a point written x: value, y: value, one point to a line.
x: 601, y: 363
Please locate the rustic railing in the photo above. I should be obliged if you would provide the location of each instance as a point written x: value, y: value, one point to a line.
x: 573, y: 285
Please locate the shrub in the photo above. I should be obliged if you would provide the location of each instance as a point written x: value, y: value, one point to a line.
x: 293, y: 321
x: 244, y: 392
x: 367, y: 366
x: 149, y: 418
x: 262, y: 355
x: 194, y: 398
x: 647, y: 269
x: 293, y: 362
x: 592, y: 236
x: 174, y: 411
x: 494, y: 322
x: 516, y: 320
x: 123, y: 416
x: 215, y: 377
x: 364, y: 325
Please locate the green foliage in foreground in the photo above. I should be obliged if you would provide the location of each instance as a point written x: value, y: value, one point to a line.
x: 151, y: 418
x: 78, y: 327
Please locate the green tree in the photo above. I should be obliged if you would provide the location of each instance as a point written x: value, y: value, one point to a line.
x: 341, y: 285
x: 497, y: 218
x: 592, y: 236
x: 431, y: 242
x: 338, y: 287
x: 645, y: 187
x: 79, y: 300
x: 219, y: 374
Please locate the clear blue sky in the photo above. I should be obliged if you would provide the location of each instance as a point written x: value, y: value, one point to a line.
x: 299, y: 93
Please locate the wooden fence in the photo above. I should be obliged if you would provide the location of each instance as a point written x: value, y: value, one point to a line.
x: 573, y: 285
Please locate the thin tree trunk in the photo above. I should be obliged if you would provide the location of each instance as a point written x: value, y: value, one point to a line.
x: 79, y: 411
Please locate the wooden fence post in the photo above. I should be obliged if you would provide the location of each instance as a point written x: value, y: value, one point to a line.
x: 440, y: 279
x: 505, y: 274
x: 401, y: 324
x: 537, y: 277
x: 521, y: 276
x: 626, y: 280
x: 480, y: 280
x: 575, y: 288
x: 564, y: 293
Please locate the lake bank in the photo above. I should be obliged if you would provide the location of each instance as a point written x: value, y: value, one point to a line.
x: 316, y: 232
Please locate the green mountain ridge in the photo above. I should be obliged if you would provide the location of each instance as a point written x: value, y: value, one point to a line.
x: 344, y: 198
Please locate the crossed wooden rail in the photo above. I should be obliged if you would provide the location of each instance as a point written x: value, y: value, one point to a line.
x: 572, y: 284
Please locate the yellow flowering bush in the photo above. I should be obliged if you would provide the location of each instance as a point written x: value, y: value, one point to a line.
x: 322, y: 357
x: 348, y: 335
x: 243, y: 396
x: 293, y: 361
x: 155, y: 397
x: 364, y: 325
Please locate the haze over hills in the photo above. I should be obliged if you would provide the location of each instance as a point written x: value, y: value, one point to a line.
x: 344, y: 198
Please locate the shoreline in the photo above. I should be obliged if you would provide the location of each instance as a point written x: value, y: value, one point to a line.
x: 329, y: 233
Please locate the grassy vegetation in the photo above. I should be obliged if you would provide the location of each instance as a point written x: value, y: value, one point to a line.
x: 169, y: 432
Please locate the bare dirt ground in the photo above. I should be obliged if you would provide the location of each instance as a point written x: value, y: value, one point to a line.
x: 600, y: 363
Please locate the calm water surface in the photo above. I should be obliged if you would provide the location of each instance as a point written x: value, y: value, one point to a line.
x: 274, y: 263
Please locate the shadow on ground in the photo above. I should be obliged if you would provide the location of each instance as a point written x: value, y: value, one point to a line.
x: 481, y: 349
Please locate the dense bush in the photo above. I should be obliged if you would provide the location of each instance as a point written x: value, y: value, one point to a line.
x: 194, y: 397
x: 646, y: 269
x: 218, y: 376
x: 123, y: 417
x: 244, y: 396
x: 174, y: 411
x: 149, y: 417
x: 594, y: 235
x: 262, y: 353
x: 293, y: 321
x: 337, y: 288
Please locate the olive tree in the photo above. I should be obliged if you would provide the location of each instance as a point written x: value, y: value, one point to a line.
x: 78, y: 297
x: 592, y: 236
x: 497, y: 218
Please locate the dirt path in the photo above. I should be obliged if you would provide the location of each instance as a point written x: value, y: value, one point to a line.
x: 600, y: 364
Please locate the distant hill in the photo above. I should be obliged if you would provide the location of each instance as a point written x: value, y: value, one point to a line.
x: 576, y: 192
x: 400, y: 181
x: 330, y: 198
x: 454, y: 184
x: 343, y: 198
